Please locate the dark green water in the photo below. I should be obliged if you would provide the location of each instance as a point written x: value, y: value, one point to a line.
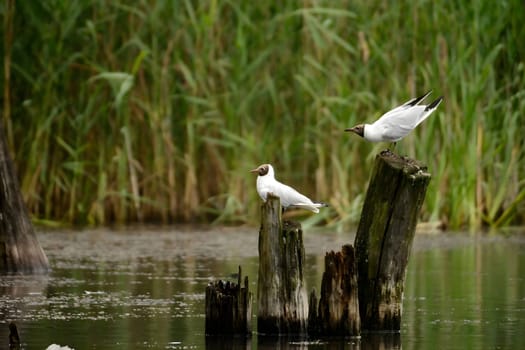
x: 144, y: 289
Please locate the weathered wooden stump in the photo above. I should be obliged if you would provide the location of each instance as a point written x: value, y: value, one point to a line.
x: 362, y: 288
x: 384, y: 238
x: 338, y: 311
x: 281, y: 293
x: 20, y: 251
x: 228, y: 308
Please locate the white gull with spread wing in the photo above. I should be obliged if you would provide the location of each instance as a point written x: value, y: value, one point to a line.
x: 397, y: 123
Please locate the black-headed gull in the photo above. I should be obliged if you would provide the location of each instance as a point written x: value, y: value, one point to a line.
x: 397, y: 123
x: 290, y: 198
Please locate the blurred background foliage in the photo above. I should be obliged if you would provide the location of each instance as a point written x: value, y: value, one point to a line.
x: 154, y: 111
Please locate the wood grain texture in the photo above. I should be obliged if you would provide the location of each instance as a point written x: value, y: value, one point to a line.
x: 228, y: 307
x: 282, y: 297
x: 338, y: 311
x: 384, y: 238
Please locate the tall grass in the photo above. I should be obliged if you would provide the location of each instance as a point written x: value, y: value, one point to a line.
x: 156, y: 110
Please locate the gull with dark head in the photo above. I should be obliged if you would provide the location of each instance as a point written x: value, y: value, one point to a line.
x: 398, y: 122
x: 290, y: 198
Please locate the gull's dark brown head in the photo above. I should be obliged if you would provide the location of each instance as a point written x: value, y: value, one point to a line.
x: 261, y: 170
x: 358, y: 129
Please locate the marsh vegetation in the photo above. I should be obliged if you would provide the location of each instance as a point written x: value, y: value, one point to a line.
x: 156, y: 110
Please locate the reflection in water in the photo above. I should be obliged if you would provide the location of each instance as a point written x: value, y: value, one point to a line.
x: 265, y: 342
x: 146, y: 290
x: 474, y: 294
x: 381, y: 341
x: 378, y: 341
x: 285, y: 343
x: 228, y: 343
x: 20, y: 286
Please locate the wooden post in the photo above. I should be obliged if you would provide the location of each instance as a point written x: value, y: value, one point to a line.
x: 20, y: 251
x: 281, y: 293
x: 338, y: 312
x: 14, y: 338
x: 228, y: 308
x: 384, y: 238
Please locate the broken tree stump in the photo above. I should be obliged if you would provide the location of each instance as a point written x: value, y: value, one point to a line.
x: 281, y: 293
x: 384, y: 238
x: 20, y: 251
x: 228, y: 308
x: 338, y: 311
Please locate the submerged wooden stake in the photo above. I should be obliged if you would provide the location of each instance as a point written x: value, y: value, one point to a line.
x: 14, y: 338
x: 384, y: 238
x: 338, y: 312
x: 228, y: 308
x: 281, y: 293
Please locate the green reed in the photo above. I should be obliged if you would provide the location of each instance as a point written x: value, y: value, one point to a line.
x: 156, y: 110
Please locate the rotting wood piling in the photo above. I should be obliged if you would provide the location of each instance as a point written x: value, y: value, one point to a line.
x: 337, y: 313
x: 362, y: 286
x: 228, y: 307
x: 281, y: 294
x: 384, y: 238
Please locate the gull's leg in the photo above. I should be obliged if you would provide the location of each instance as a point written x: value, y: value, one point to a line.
x: 393, y: 147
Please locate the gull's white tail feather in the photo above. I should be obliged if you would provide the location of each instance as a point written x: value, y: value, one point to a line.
x: 309, y: 206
